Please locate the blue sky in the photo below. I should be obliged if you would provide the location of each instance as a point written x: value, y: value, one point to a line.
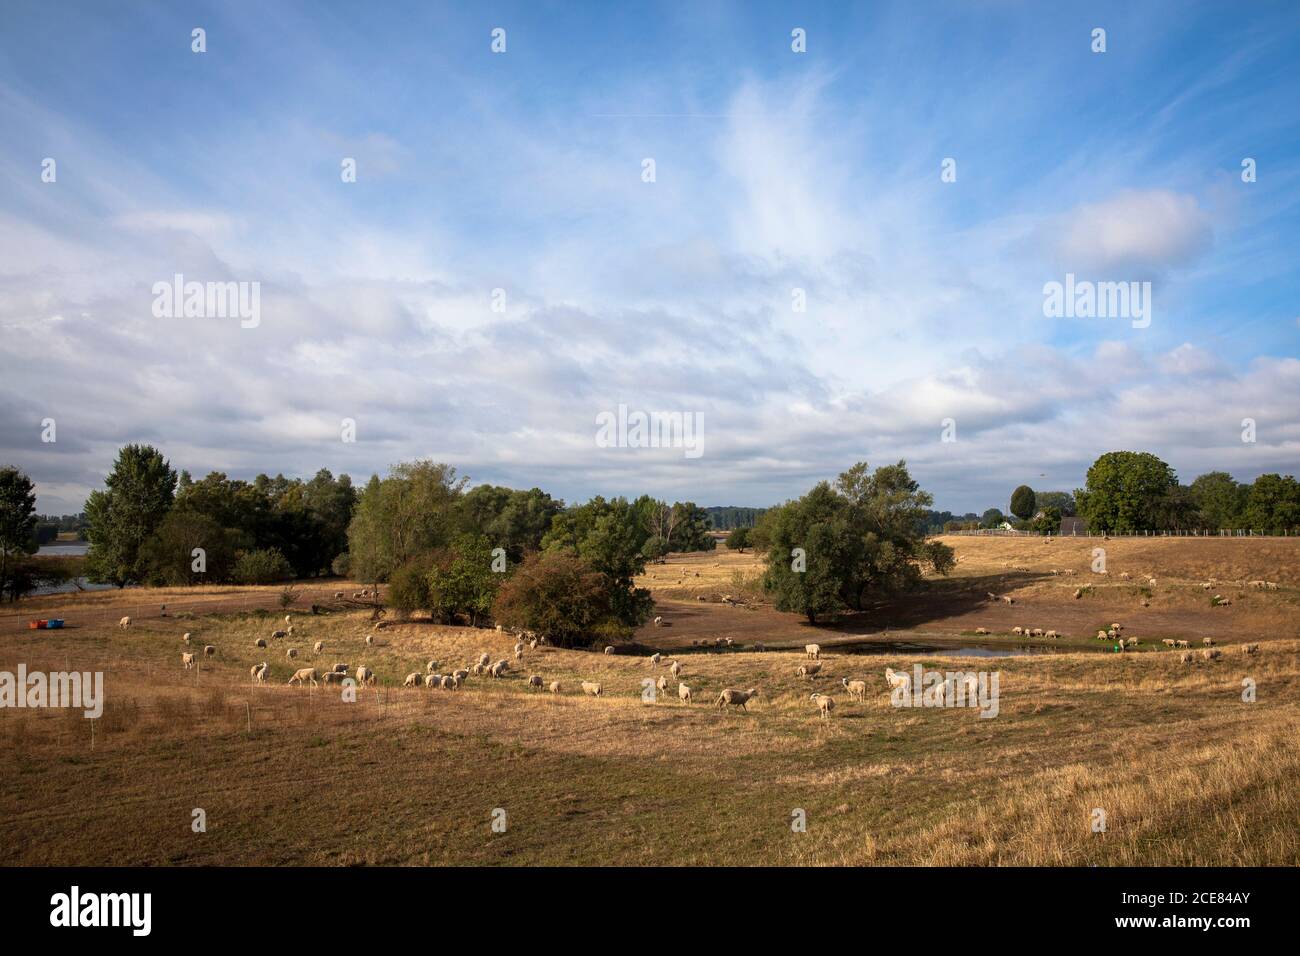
x: 774, y: 170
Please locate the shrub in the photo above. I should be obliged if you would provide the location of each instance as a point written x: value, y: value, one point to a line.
x: 738, y: 540
x: 263, y: 566
x: 342, y: 565
x: 559, y: 595
x: 654, y: 548
x: 408, y: 586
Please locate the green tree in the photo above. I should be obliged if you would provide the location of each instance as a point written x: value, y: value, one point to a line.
x: 846, y: 545
x: 1023, y: 502
x: 1126, y: 491
x: 1062, y: 501
x: 1047, y: 521
x: 169, y: 553
x: 262, y: 566
x: 411, y: 512
x: 738, y: 540
x: 1221, y: 500
x: 609, y: 536
x: 138, y: 494
x: 991, y: 518
x: 17, y: 526
x: 462, y: 582
x: 1274, y: 503
x: 559, y: 595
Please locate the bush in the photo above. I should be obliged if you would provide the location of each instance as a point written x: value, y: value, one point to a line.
x: 559, y: 595
x: 342, y: 565
x: 654, y: 548
x: 738, y: 540
x: 263, y: 566
x: 408, y: 586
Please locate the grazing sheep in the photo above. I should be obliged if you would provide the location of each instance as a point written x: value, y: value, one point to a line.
x: 735, y: 698
x: 1186, y: 657
x: 655, y: 658
x: 609, y: 648
x: 478, y: 669
x: 1052, y: 635
x: 433, y: 680
x: 333, y: 677
x: 187, y: 660
x: 519, y: 654
x: 258, y: 672
x: 210, y: 650
x: 813, y: 651
x: 591, y: 687
x: 992, y: 596
x: 449, y: 683
x: 340, y: 668
x: 658, y: 620
x: 1169, y: 642
x: 760, y: 647
x: 124, y: 623
x: 807, y: 670
x: 1009, y: 600
x: 365, y: 675
x: 304, y: 675
x: 532, y: 644
x: 431, y: 667
x: 676, y: 669
x: 413, y: 679
x: 1017, y: 630
x: 291, y: 653
x: 857, y: 688
x: 338, y: 594
x: 1129, y: 642
x: 186, y: 637
x: 460, y: 676
x: 555, y: 687
x: 1124, y: 576
x: 1038, y: 632
x: 1207, y: 641
x: 499, y: 668
x: 1103, y: 635
x: 1250, y: 648
x: 289, y: 630
x: 484, y: 659
x: 370, y: 640
x: 981, y: 630
x: 318, y: 646
x: 260, y: 642
x: 1182, y: 644
x: 279, y: 634
x: 534, y: 680
x: 1211, y: 654
x: 896, y: 678
x: 519, y: 648
x: 824, y: 705
x: 683, y: 693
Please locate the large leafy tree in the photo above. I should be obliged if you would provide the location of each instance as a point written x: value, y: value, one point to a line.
x: 1127, y: 491
x: 1023, y: 502
x: 1220, y: 499
x: 560, y: 595
x: 462, y: 582
x: 1274, y: 503
x: 122, y: 517
x: 514, y: 520
x: 409, y: 513
x: 17, y: 524
x: 858, y: 540
x: 609, y: 536
x: 1062, y: 501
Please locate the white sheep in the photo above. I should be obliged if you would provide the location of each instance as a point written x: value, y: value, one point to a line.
x: 1169, y: 642
x: 655, y: 658
x: 187, y: 660
x: 431, y: 667
x: 813, y: 651
x: 258, y: 672
x: 658, y: 620
x: 365, y: 675
x: 370, y: 640
x: 340, y: 668
x: 460, y: 676
x: 591, y: 687
x: 484, y: 660
x: 1207, y: 641
x: 1250, y: 648
x: 661, y: 685
x: 260, y: 642
x: 675, y: 669
x: 499, y: 668
x: 305, y: 675
x: 981, y: 630
x: 1186, y: 657
x: 338, y: 594
x: 683, y: 693
x: 1051, y: 634
x: 519, y: 648
x: 124, y: 623
x: 433, y: 680
x: 534, y: 680
x: 333, y: 677
x: 824, y: 704
x: 413, y: 679
x: 857, y: 688
x: 291, y: 653
x: 209, y: 650
x: 279, y: 634
x: 519, y: 654
x: 1211, y: 654
x: 186, y: 637
x: 807, y: 670
x: 318, y: 646
x: 555, y: 687
x: 1017, y: 630
x: 735, y: 698
x: 896, y: 678
x: 609, y: 648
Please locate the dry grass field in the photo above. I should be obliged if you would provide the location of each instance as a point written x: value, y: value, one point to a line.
x: 1186, y: 771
